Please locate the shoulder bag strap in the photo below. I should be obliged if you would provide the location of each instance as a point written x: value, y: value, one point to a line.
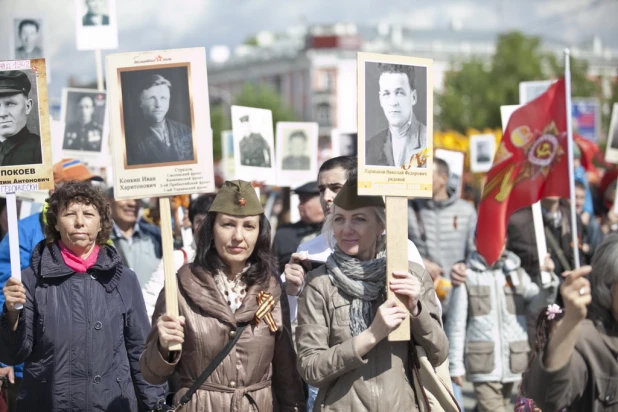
x: 553, y: 243
x: 211, y: 367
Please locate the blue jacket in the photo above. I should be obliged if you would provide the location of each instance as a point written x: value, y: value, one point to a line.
x: 80, y: 336
x: 30, y: 230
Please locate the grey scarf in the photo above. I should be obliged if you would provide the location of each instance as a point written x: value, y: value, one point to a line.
x: 364, y: 281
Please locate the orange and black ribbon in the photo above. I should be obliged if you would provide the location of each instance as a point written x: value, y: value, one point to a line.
x: 266, y: 304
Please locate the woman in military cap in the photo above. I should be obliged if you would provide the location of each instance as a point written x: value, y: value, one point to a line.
x: 230, y: 293
x: 344, y: 318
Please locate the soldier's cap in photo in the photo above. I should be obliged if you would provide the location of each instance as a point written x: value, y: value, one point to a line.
x: 310, y: 188
x: 73, y: 169
x: 13, y: 82
x: 244, y: 118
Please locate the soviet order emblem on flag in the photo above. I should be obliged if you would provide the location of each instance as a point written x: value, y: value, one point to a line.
x: 531, y: 163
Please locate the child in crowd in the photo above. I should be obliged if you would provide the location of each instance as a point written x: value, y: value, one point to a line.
x: 486, y: 325
x: 546, y: 323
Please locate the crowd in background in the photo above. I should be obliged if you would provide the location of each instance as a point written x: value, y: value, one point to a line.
x: 499, y: 319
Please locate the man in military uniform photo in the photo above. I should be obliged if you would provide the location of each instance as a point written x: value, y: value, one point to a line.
x: 29, y: 36
x: 157, y: 139
x: 297, y: 159
x: 254, y: 150
x: 405, y: 136
x: 19, y: 145
x: 95, y: 16
x: 86, y: 133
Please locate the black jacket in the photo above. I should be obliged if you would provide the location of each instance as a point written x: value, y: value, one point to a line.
x: 80, y: 336
x: 22, y: 149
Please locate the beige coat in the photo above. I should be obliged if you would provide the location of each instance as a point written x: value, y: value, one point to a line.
x: 328, y: 360
x: 257, y: 375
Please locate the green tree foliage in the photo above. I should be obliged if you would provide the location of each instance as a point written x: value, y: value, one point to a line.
x: 258, y: 96
x: 474, y: 92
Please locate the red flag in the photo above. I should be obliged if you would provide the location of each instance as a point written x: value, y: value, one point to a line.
x: 589, y: 151
x: 531, y: 163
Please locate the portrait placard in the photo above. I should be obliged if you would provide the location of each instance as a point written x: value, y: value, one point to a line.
x: 297, y: 152
x: 227, y: 146
x: 160, y: 123
x: 395, y: 125
x: 27, y: 38
x: 254, y: 144
x: 528, y: 91
x: 25, y: 159
x: 84, y: 114
x: 455, y: 162
x: 611, y: 152
x: 96, y: 24
x: 482, y: 150
x: 344, y: 142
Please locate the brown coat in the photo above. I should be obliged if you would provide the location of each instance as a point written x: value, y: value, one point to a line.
x: 260, y: 367
x: 588, y: 382
x: 328, y: 360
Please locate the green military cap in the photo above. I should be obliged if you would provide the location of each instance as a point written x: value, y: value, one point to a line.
x: 237, y: 198
x: 348, y: 197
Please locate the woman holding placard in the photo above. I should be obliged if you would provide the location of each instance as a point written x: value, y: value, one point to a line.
x: 236, y: 355
x: 83, y: 323
x: 344, y: 318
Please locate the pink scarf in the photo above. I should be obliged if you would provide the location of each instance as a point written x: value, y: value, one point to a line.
x: 75, y: 262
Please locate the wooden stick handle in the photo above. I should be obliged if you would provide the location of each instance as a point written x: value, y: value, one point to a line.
x: 167, y: 242
x: 397, y: 255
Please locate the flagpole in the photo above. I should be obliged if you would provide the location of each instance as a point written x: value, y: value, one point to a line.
x: 567, y: 85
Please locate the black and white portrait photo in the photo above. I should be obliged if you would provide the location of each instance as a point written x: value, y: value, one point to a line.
x: 482, y: 152
x: 28, y: 35
x: 297, y: 152
x: 20, y: 133
x: 97, y: 13
x: 395, y: 114
x: 254, y: 149
x: 482, y: 149
x: 84, y: 115
x: 296, y: 155
x: 348, y: 144
x: 254, y: 144
x: 157, y: 116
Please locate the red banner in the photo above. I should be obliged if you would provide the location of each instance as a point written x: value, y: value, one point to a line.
x: 531, y: 163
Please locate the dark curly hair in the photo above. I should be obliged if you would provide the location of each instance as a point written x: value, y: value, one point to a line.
x: 77, y: 192
x: 262, y: 261
x: 398, y: 68
x: 544, y: 327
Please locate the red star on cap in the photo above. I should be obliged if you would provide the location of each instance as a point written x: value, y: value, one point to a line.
x: 242, y: 201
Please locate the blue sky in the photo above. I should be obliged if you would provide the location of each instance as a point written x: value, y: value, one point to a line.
x: 159, y: 24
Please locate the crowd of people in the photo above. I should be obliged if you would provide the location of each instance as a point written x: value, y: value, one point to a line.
x: 296, y: 317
